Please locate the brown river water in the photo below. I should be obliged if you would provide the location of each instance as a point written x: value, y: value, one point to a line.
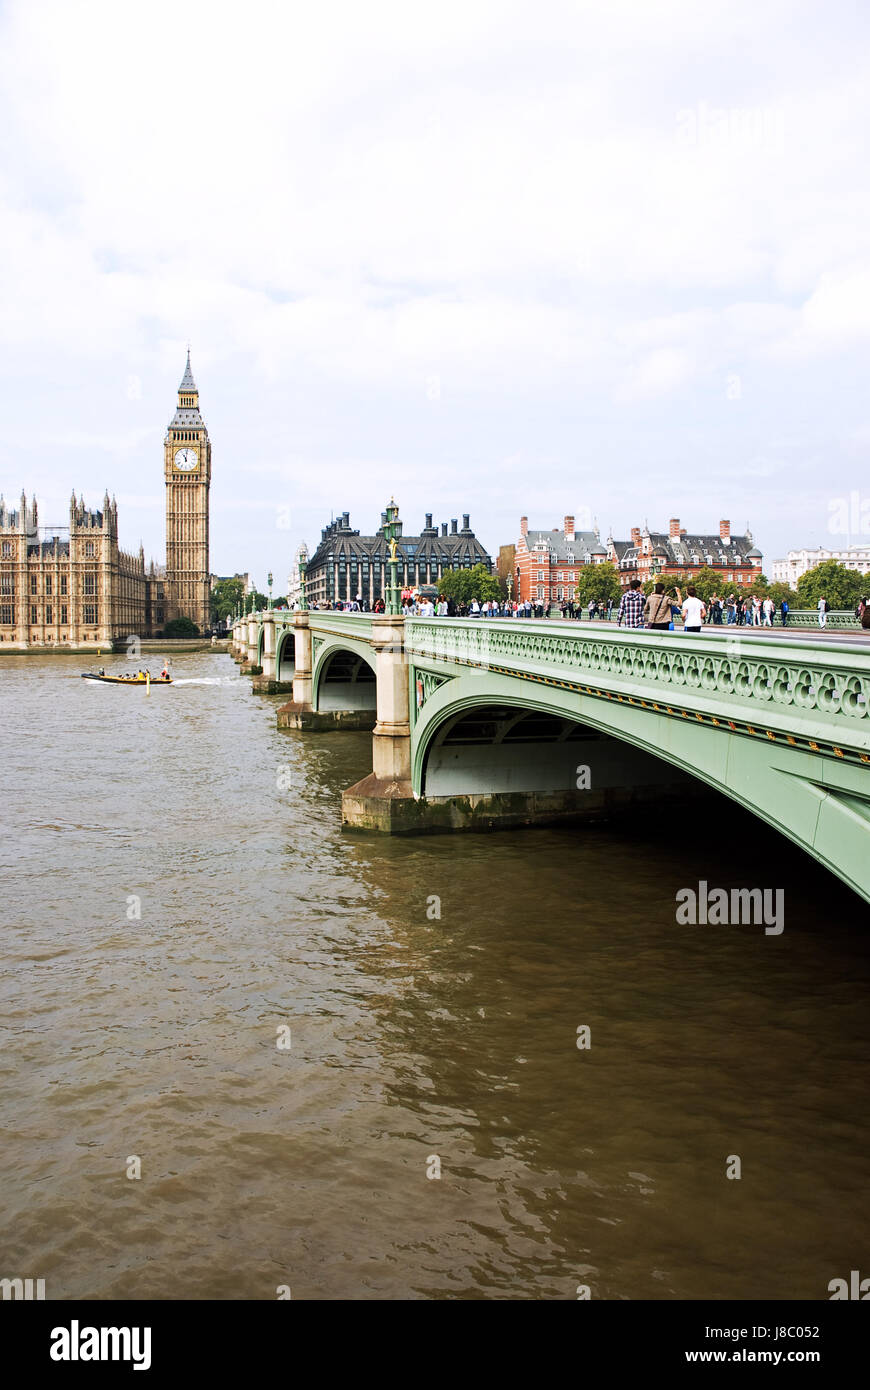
x: 411, y: 1038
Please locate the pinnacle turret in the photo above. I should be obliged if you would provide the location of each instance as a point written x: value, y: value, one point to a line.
x: 187, y: 381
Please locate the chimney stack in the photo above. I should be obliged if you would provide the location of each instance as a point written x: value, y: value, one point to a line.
x: 569, y: 528
x: 725, y: 531
x: 635, y: 535
x: 428, y: 521
x: 466, y: 517
x: 674, y: 530
x: 453, y: 526
x: 444, y: 528
x: 524, y: 525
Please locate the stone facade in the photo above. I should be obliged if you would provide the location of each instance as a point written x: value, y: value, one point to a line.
x: 73, y: 586
x: 346, y: 564
x: 64, y: 586
x: 187, y: 471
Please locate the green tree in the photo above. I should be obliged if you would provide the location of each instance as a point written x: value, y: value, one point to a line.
x: 779, y: 591
x: 464, y: 585
x: 842, y: 587
x: 181, y: 627
x: 600, y: 582
x: 226, y: 596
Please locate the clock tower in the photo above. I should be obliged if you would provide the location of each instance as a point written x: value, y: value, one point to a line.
x: 187, y: 470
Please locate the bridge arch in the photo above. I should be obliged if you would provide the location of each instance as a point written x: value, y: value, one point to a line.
x: 343, y: 676
x: 285, y: 654
x: 782, y: 786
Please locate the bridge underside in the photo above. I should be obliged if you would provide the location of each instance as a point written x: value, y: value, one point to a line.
x: 492, y: 767
x: 344, y: 696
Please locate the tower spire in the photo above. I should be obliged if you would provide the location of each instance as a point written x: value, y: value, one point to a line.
x: 187, y: 381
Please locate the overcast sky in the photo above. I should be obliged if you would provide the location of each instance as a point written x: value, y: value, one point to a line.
x: 492, y: 258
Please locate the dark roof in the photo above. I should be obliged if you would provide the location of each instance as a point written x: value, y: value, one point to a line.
x: 187, y: 381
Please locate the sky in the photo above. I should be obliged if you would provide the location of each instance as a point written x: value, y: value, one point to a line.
x: 499, y: 258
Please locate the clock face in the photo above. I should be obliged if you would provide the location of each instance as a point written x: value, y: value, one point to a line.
x: 186, y: 459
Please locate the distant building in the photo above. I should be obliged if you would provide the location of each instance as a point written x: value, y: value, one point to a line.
x: 679, y: 554
x: 347, y: 566
x: 798, y: 562
x: 294, y: 581
x: 506, y: 565
x: 69, y: 585
x: 547, y: 563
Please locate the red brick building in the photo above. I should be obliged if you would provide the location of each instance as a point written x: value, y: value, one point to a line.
x: 546, y: 563
x: 678, y: 554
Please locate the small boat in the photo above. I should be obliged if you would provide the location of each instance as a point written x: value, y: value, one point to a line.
x: 126, y: 680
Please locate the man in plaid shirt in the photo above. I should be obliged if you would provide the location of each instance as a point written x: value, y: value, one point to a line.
x: 631, y: 606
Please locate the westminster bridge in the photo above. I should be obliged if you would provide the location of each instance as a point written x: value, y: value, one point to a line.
x: 479, y: 724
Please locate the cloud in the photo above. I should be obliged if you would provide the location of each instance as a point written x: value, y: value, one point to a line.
x: 428, y: 251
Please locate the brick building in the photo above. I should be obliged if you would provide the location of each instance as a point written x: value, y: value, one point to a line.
x: 679, y: 554
x: 547, y: 562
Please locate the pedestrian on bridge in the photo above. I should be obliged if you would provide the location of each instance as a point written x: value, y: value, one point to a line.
x: 631, y: 606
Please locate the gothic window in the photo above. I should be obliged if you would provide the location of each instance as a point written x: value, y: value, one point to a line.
x: 33, y: 583
x: 89, y: 548
x: 63, y: 612
x: 90, y: 610
x: 7, y: 547
x: 63, y: 585
x: 7, y: 584
x: 33, y: 617
x: 90, y: 584
x: 48, y: 583
x: 49, y: 616
x: 6, y: 614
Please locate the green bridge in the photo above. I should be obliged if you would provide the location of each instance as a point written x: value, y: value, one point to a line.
x: 483, y: 724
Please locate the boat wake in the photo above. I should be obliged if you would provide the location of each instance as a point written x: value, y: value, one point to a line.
x: 204, y: 680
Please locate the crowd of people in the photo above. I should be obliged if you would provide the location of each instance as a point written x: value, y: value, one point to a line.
x: 660, y: 609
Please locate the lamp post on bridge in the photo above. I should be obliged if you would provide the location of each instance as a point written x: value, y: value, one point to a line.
x: 393, y: 528
x: 303, y: 568
x: 269, y: 582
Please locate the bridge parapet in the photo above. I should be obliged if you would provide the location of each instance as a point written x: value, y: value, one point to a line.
x: 797, y: 690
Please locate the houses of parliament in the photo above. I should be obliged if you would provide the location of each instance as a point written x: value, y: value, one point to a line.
x: 70, y: 586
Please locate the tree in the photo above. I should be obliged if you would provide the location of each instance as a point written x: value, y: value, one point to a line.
x: 226, y: 596
x: 779, y: 591
x: 465, y: 585
x: 600, y: 582
x: 842, y: 587
x: 181, y: 627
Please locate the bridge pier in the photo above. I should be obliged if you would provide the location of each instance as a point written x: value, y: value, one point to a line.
x: 385, y: 799
x: 300, y: 713
x: 250, y: 666
x: 267, y: 682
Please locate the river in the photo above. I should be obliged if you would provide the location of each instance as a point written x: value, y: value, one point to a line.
x: 414, y: 1040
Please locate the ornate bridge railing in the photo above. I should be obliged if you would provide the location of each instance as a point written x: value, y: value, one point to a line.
x: 801, y: 693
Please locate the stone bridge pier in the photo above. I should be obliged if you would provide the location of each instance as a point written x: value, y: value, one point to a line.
x: 321, y: 703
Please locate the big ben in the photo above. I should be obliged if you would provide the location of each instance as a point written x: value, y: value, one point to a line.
x: 187, y: 469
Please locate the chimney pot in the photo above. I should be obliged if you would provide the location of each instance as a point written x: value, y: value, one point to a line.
x: 725, y: 530
x: 453, y: 526
x: 524, y: 525
x: 674, y: 527
x: 444, y: 528
x: 569, y: 528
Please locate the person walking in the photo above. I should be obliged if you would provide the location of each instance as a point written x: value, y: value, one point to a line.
x: 631, y: 606
x: 769, y: 609
x: 693, y: 611
x: 822, y: 606
x: 783, y: 612
x: 657, y: 609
